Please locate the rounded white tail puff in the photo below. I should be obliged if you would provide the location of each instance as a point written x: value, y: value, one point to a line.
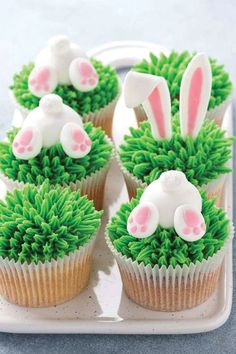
x: 170, y: 201
x: 195, y: 92
x: 152, y: 92
x: 51, y: 104
x: 59, y: 44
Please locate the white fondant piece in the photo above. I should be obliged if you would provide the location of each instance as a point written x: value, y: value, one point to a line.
x: 189, y: 223
x: 49, y: 120
x: 75, y: 141
x: 83, y: 75
x: 27, y: 143
x: 167, y: 194
x: 153, y: 93
x: 195, y: 91
x: 42, y: 80
x: 143, y: 220
x: 57, y: 58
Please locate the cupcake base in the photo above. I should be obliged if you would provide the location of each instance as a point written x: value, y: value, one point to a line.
x: 167, y: 288
x: 49, y: 283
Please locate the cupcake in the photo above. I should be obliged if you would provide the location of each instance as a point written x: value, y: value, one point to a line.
x: 169, y: 243
x: 187, y: 142
x: 53, y: 144
x: 47, y: 236
x: 172, y: 68
x: 86, y: 85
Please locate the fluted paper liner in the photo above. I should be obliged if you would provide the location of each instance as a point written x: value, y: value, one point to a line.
x: 167, y: 288
x: 49, y: 283
x: 213, y: 188
x: 217, y: 113
x: 92, y: 186
x: 101, y: 118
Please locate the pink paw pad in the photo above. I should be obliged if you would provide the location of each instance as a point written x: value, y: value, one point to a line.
x: 22, y: 143
x: 83, y: 75
x: 40, y: 80
x: 189, y: 223
x: 143, y: 220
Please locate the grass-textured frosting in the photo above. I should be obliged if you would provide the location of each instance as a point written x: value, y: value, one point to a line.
x: 53, y: 163
x: 41, y: 224
x: 165, y: 247
x: 172, y: 68
x: 202, y: 159
x: 82, y: 102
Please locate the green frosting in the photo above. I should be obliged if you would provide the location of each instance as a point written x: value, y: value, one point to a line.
x: 202, y: 159
x: 53, y: 163
x: 172, y: 68
x: 41, y: 224
x: 82, y: 102
x: 165, y: 247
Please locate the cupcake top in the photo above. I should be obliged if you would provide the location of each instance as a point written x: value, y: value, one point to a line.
x: 172, y: 68
x: 63, y: 68
x: 54, y: 144
x: 185, y: 142
x: 41, y: 224
x: 168, y: 224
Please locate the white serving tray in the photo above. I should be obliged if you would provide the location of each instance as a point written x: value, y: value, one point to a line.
x: 103, y: 307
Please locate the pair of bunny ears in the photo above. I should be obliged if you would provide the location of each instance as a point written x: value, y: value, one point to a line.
x: 153, y: 93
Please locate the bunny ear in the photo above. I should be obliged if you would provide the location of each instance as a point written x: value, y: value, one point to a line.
x: 195, y: 93
x: 153, y: 93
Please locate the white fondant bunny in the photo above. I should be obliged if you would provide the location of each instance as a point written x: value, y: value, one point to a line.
x: 170, y: 201
x: 152, y: 92
x: 51, y: 123
x: 61, y: 63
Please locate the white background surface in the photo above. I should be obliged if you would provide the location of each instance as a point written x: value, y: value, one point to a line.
x: 198, y: 25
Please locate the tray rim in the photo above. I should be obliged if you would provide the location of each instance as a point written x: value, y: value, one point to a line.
x: 149, y: 326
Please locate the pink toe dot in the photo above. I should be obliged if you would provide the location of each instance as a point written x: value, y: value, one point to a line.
x: 203, y: 226
x: 83, y: 147
x: 83, y: 82
x: 21, y: 149
x: 75, y: 147
x: 87, y: 142
x: 30, y: 148
x: 143, y: 228
x: 133, y: 229
x: 130, y: 220
x: 91, y: 81
x: 196, y: 230
x: 186, y: 231
x: 16, y: 144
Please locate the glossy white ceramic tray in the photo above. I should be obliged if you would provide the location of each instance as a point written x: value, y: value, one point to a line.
x: 103, y: 307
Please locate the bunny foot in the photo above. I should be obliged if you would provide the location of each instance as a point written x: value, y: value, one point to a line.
x: 27, y: 143
x: 83, y: 75
x: 143, y: 220
x: 42, y: 80
x: 189, y: 223
x: 75, y: 141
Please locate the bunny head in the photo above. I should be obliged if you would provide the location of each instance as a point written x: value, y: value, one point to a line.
x: 152, y: 92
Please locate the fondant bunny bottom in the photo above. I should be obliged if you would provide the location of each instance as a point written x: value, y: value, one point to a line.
x: 75, y: 142
x: 188, y: 221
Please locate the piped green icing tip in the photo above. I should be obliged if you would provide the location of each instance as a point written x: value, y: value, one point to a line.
x: 53, y: 163
x: 41, y: 224
x: 172, y: 68
x: 165, y: 247
x: 202, y: 159
x: 82, y: 102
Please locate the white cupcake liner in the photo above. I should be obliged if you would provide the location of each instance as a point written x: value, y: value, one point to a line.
x: 167, y: 288
x: 213, y: 188
x: 217, y: 113
x: 92, y: 185
x: 101, y: 118
x: 49, y: 283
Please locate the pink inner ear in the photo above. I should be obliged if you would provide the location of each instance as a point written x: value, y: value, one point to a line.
x: 194, y: 98
x: 156, y: 105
